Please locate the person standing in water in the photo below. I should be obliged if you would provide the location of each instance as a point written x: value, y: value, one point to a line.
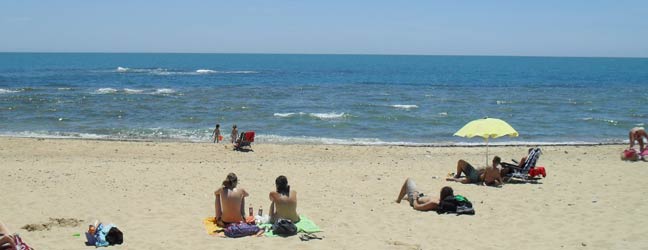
x: 234, y: 134
x: 216, y: 134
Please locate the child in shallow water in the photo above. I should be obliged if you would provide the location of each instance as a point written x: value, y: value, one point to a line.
x: 234, y: 134
x: 216, y: 134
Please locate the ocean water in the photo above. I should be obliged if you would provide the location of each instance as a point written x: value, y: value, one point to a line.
x: 320, y: 99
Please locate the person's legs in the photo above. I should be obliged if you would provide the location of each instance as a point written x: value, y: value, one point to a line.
x: 409, y: 187
x: 641, y: 143
x: 462, y: 167
x: 6, y: 240
x: 4, y: 230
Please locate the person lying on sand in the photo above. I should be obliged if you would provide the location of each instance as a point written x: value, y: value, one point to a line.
x: 417, y: 200
x: 6, y: 241
x: 284, y: 201
x: 229, y: 202
x: 490, y: 176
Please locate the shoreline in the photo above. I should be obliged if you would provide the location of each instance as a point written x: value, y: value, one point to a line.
x: 383, y: 144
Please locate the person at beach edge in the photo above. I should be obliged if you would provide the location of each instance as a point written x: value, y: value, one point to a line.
x: 234, y: 134
x: 216, y: 134
x: 637, y: 134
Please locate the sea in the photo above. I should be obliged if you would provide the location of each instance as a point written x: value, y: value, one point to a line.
x: 320, y: 99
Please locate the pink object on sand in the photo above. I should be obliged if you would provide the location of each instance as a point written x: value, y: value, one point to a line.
x: 644, y: 153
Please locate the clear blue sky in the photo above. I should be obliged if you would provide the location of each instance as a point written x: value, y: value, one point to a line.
x: 485, y: 27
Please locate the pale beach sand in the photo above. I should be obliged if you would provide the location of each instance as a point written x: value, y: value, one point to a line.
x: 158, y: 193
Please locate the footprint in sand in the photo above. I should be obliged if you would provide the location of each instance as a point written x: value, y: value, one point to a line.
x: 404, y: 245
x: 53, y: 222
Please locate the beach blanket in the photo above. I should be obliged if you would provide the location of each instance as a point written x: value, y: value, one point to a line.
x: 304, y: 225
x: 211, y: 227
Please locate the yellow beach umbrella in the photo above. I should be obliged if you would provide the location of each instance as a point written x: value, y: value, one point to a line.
x: 487, y: 128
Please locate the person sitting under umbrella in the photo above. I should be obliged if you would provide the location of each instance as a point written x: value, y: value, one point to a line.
x: 488, y: 176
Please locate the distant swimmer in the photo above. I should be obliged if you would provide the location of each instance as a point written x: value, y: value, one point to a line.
x: 638, y: 134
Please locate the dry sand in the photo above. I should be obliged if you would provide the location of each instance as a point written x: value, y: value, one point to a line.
x: 158, y: 193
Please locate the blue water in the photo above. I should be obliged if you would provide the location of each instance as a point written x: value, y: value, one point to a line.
x: 340, y: 99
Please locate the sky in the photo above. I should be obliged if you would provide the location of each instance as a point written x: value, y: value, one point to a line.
x: 518, y: 28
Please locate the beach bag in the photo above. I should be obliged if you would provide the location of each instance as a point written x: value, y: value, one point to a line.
x: 237, y: 230
x: 115, y: 236
x: 457, y: 204
x: 284, y: 227
x: 630, y: 155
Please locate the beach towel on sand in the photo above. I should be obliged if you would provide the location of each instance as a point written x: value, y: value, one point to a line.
x: 304, y: 225
x: 211, y: 227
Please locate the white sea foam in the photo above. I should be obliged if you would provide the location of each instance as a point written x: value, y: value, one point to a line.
x: 327, y: 116
x: 284, y: 114
x: 105, y: 91
x: 499, y: 102
x: 8, y: 91
x: 278, y: 139
x: 164, y: 91
x: 165, y: 72
x: 404, y: 106
x: 133, y: 91
x: 206, y: 71
x: 443, y: 113
x: 610, y: 121
x: 63, y: 89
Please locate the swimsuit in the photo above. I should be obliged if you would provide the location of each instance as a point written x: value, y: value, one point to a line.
x: 411, y: 188
x: 471, y: 173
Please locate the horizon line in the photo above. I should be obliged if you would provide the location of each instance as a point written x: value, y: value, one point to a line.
x: 338, y: 54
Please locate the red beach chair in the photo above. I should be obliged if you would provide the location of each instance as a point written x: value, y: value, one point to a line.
x: 246, y: 140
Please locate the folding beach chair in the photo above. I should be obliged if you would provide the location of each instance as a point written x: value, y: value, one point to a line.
x: 529, y: 165
x: 245, y: 140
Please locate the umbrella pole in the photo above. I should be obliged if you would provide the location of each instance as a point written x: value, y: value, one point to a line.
x: 486, y: 151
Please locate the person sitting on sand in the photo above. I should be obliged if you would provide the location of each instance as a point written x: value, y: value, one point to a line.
x: 284, y: 201
x: 6, y: 240
x: 489, y: 176
x: 230, y: 202
x: 637, y: 134
x: 417, y: 200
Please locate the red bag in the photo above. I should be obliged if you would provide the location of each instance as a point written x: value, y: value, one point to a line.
x: 630, y: 154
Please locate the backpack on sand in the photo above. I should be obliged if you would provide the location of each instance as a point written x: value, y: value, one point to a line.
x: 456, y: 204
x: 284, y: 227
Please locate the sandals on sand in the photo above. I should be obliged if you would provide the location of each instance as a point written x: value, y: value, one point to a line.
x: 309, y: 236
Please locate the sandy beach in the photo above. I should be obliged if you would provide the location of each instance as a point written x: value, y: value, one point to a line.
x: 158, y: 193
